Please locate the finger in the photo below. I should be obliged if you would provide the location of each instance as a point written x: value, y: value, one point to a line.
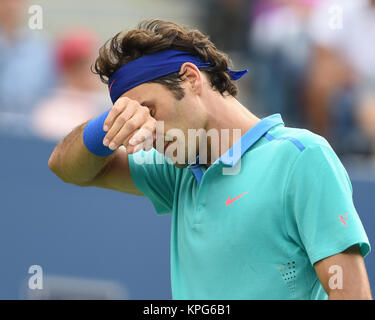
x: 117, y: 108
x: 138, y: 147
x: 134, y: 149
x: 146, y: 144
x: 120, y: 121
x: 131, y: 125
x: 144, y: 133
x: 130, y: 148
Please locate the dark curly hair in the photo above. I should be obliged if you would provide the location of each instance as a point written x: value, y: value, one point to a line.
x: 155, y: 35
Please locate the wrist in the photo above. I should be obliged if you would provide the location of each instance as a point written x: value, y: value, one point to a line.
x: 93, y: 135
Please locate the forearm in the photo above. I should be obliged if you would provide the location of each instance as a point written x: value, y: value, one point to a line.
x: 73, y: 163
x: 344, y: 275
x: 349, y: 295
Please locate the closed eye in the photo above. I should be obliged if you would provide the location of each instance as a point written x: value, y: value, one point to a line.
x: 152, y: 112
x: 150, y: 107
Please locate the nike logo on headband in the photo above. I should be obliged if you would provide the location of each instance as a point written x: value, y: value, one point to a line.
x: 110, y: 87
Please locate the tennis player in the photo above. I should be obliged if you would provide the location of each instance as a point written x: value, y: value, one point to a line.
x: 268, y: 215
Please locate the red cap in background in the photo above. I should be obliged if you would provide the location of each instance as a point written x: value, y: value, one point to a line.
x: 75, y: 46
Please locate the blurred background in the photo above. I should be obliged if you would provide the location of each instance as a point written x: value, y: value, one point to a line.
x: 312, y: 61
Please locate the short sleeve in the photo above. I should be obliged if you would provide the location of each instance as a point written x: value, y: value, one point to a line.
x: 319, y: 208
x: 155, y: 176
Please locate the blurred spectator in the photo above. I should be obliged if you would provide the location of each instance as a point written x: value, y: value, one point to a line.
x: 227, y: 23
x: 26, y: 69
x: 342, y: 73
x: 280, y: 47
x: 78, y: 97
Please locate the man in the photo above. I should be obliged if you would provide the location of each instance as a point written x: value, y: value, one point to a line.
x: 268, y: 215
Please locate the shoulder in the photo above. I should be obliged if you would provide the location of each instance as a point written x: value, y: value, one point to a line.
x: 301, y: 138
x: 302, y: 147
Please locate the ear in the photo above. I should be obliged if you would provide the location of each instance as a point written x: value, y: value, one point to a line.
x: 193, y: 77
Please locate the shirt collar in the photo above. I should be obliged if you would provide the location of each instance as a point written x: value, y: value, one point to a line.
x: 231, y: 157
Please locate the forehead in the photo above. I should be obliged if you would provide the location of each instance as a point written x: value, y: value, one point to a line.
x: 147, y: 91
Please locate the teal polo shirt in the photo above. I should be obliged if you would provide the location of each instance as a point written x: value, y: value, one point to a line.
x: 255, y: 234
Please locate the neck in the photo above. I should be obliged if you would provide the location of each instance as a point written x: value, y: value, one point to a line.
x: 227, y: 113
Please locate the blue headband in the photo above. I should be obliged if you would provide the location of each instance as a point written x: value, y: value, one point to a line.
x: 154, y: 66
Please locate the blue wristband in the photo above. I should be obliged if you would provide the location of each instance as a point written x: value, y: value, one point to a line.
x: 93, y: 136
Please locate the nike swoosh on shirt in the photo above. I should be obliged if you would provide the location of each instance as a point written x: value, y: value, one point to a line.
x: 229, y: 201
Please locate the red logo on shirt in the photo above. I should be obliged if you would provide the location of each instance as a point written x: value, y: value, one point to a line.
x: 342, y: 218
x: 229, y: 201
